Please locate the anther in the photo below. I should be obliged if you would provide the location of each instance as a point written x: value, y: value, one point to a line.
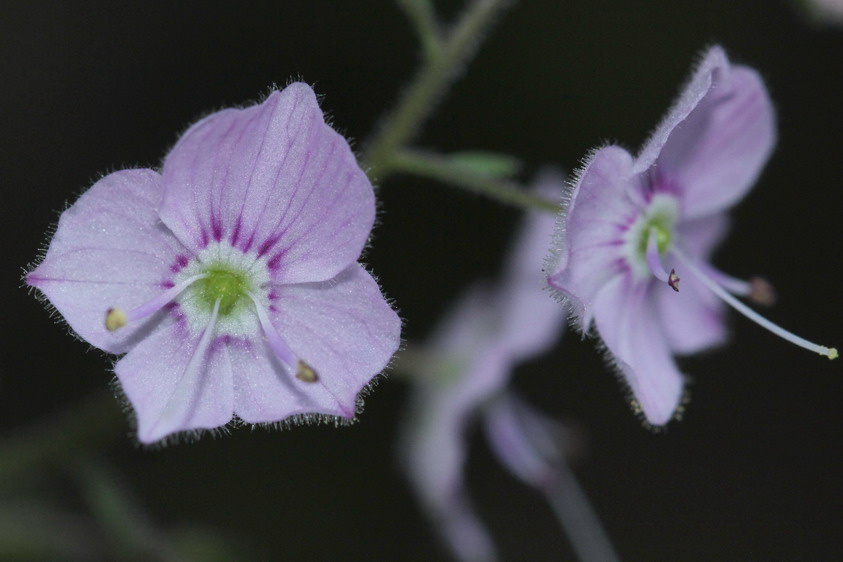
x: 761, y: 292
x: 115, y: 318
x: 673, y: 280
x: 305, y: 372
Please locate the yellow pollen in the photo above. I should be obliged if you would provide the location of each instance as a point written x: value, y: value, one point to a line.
x: 832, y: 353
x: 115, y: 319
x: 305, y: 372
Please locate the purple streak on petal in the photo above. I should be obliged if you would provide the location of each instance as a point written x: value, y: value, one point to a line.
x: 343, y: 328
x: 153, y: 378
x: 109, y: 250
x: 587, y: 251
x: 276, y: 176
x: 630, y: 326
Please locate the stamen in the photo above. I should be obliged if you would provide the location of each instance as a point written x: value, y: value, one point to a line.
x: 305, y: 372
x: 757, y: 289
x: 762, y: 292
x: 116, y: 318
x: 718, y: 290
x: 299, y: 368
x: 654, y: 261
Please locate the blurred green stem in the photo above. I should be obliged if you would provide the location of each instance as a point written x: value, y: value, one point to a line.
x: 439, y: 69
x: 422, y: 16
x: 130, y: 533
x: 94, y: 420
x: 440, y: 168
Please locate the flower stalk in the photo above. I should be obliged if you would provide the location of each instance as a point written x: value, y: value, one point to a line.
x: 442, y: 65
x: 439, y: 168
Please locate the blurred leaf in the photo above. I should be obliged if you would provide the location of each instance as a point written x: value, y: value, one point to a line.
x: 127, y: 528
x: 196, y: 544
x: 36, y: 531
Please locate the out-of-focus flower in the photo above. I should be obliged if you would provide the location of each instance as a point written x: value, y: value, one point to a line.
x: 230, y: 278
x: 826, y: 11
x: 473, y: 353
x: 635, y: 225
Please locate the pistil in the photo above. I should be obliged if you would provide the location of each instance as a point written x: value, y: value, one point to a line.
x: 725, y: 295
x: 756, y: 289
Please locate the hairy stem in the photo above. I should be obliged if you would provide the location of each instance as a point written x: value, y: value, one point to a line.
x: 441, y: 67
x: 440, y: 168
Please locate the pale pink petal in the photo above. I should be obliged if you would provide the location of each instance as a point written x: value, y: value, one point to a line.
x: 588, y: 246
x: 713, y: 62
x: 630, y: 327
x: 434, y: 452
x: 699, y: 237
x: 713, y: 146
x: 531, y: 319
x: 343, y: 328
x: 275, y: 179
x: 475, y: 362
x: 505, y: 428
x: 167, y: 396
x: 109, y: 250
x: 692, y: 319
x: 266, y: 391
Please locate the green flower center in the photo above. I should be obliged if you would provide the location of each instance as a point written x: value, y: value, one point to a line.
x: 222, y: 283
x: 662, y: 223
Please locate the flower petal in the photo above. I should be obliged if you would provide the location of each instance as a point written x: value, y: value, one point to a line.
x: 692, y: 319
x: 109, y: 250
x: 505, y: 423
x: 343, y: 328
x: 273, y: 178
x: 630, y: 327
x: 699, y: 237
x: 697, y: 88
x: 166, y: 395
x: 265, y: 391
x: 714, y: 146
x: 531, y: 321
x: 587, y: 252
x: 433, y: 451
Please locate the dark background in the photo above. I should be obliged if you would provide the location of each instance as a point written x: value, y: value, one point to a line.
x: 752, y: 473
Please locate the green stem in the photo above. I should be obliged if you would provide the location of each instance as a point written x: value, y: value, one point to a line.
x: 435, y: 75
x: 420, y: 13
x: 92, y: 421
x: 440, y: 168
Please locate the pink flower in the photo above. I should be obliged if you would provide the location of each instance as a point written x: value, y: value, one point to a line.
x: 475, y: 350
x: 230, y: 279
x: 636, y: 225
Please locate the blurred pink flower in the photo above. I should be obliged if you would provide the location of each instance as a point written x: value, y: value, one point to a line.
x: 473, y: 353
